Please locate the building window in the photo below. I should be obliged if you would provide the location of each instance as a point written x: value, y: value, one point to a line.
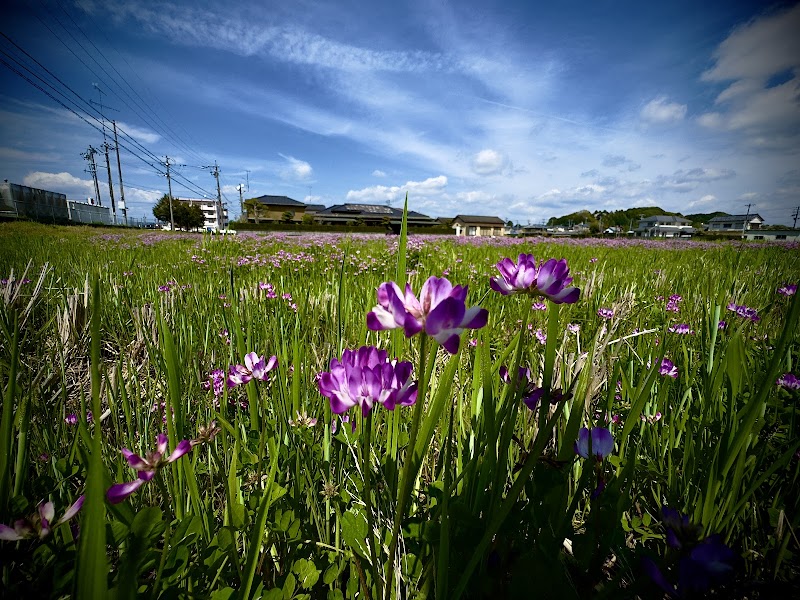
x: 726, y: 226
x: 471, y: 230
x: 777, y: 237
x: 758, y: 237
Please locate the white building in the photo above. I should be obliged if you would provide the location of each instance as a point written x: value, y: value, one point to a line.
x: 665, y: 226
x: 210, y: 210
x: 773, y: 235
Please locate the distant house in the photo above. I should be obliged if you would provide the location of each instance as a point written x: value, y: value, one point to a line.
x: 371, y: 214
x: 735, y: 222
x: 665, y: 226
x: 774, y: 235
x: 473, y: 225
x: 277, y: 208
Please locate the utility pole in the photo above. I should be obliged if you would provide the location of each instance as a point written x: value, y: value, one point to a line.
x: 105, y: 149
x: 241, y: 199
x: 248, y: 180
x: 89, y: 156
x: 220, y: 218
x: 795, y: 215
x: 122, y: 206
x: 746, y: 218
x: 169, y: 187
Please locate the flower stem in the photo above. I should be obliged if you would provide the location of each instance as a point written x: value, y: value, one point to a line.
x: 366, y: 441
x: 405, y: 478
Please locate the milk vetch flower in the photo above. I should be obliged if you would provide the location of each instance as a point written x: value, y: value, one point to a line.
x: 440, y: 311
x: 549, y: 279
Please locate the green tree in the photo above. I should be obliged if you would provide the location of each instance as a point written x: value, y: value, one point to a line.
x: 161, y: 209
x: 308, y: 219
x: 191, y: 216
x: 287, y: 217
x: 253, y: 208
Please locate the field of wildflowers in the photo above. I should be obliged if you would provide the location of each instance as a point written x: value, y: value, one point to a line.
x: 341, y: 416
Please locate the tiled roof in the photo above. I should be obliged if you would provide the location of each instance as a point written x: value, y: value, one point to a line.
x: 727, y: 218
x: 480, y: 219
x: 279, y: 201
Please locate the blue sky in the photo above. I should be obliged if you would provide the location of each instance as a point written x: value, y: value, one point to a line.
x: 523, y: 110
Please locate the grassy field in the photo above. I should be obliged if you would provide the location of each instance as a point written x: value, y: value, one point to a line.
x: 489, y: 485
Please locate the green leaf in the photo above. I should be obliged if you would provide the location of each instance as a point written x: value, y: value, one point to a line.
x: 289, y: 586
x: 354, y: 531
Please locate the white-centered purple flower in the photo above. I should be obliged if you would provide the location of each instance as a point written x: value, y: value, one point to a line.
x: 744, y: 312
x: 600, y: 439
x: 366, y: 376
x: 605, y: 313
x: 440, y: 311
x: 549, y: 279
x: 41, y: 524
x: 254, y: 367
x: 787, y: 289
x: 681, y: 328
x: 146, y: 467
x: 788, y: 382
x: 668, y: 369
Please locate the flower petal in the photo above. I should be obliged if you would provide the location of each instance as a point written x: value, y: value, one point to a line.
x: 120, y: 491
x: 134, y: 460
x: 182, y: 448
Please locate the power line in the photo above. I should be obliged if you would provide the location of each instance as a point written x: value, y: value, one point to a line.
x: 81, y: 113
x: 99, y: 29
x: 91, y: 56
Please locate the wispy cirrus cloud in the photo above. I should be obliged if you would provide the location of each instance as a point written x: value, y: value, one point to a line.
x: 251, y: 35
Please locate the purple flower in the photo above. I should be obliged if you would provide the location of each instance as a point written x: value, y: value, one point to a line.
x: 366, y: 376
x: 722, y: 325
x: 668, y: 369
x: 788, y: 382
x: 550, y: 279
x: 573, y: 328
x: 216, y: 381
x: 146, y: 467
x: 538, y: 306
x: 41, y: 524
x: 787, y: 289
x: 255, y: 367
x: 602, y: 443
x: 710, y: 562
x: 744, y: 311
x: 592, y: 260
x: 680, y: 531
x: 163, y: 288
x: 344, y: 419
x: 71, y: 419
x: 440, y: 311
x: 605, y: 313
x: 681, y: 329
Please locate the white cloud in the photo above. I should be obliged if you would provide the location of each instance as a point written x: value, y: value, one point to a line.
x: 761, y: 59
x: 704, y: 201
x: 661, y: 111
x: 313, y: 199
x: 296, y: 169
x: 246, y: 35
x: 63, y: 183
x: 758, y: 49
x: 417, y: 190
x: 488, y: 162
x: 378, y: 173
x: 140, y: 134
